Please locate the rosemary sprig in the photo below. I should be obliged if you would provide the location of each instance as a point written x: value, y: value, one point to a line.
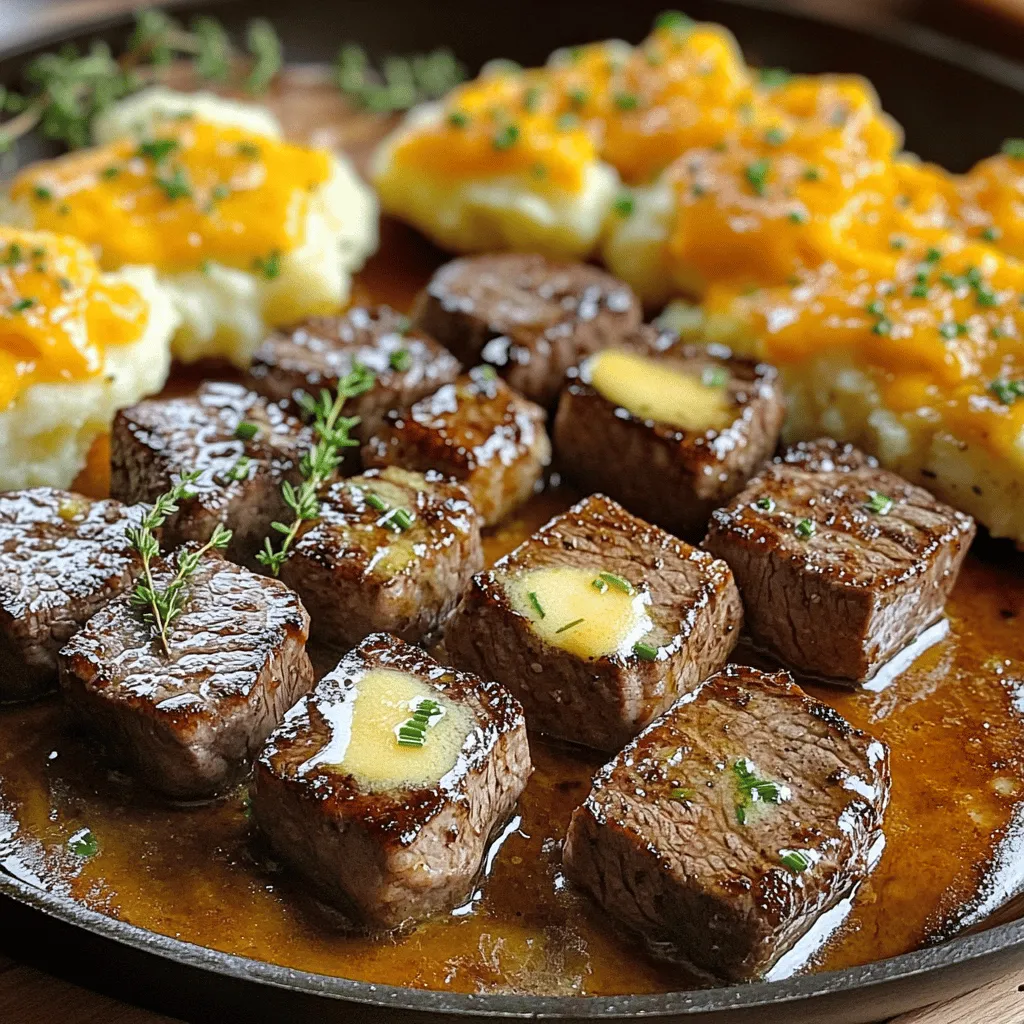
x: 319, y: 463
x: 162, y: 607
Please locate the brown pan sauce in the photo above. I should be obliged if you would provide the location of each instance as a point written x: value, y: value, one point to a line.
x: 954, y: 723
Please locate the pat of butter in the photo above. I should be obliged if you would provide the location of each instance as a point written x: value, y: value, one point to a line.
x: 652, y: 390
x: 568, y: 610
x: 365, y: 729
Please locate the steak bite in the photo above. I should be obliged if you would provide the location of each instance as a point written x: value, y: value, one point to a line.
x: 731, y: 824
x: 385, y: 785
x: 526, y: 316
x: 597, y: 623
x: 407, y: 365
x: 244, y: 447
x: 688, y: 426
x: 477, y: 430
x: 191, y: 721
x: 62, y: 557
x: 841, y: 564
x: 391, y: 552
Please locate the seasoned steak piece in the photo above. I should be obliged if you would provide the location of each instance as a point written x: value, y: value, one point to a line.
x: 407, y: 364
x: 688, y: 426
x: 391, y: 552
x: 841, y: 564
x: 244, y: 446
x: 62, y: 557
x: 384, y: 785
x: 731, y: 824
x: 190, y: 722
x: 597, y: 623
x: 477, y: 430
x: 528, y: 317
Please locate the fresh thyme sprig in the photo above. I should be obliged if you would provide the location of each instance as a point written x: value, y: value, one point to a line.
x: 162, y: 607
x: 65, y: 90
x: 401, y: 82
x: 331, y: 430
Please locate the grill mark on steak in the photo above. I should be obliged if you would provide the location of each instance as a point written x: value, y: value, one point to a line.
x: 191, y: 722
x: 318, y: 352
x: 659, y: 843
x: 844, y: 600
x: 476, y: 430
x: 667, y: 475
x: 602, y: 703
x: 360, y: 576
x: 157, y: 440
x: 62, y: 557
x: 394, y: 856
x: 528, y: 317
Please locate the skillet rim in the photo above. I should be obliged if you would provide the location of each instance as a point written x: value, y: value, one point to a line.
x: 958, y: 952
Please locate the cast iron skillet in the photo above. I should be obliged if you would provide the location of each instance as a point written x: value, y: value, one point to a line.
x: 957, y: 104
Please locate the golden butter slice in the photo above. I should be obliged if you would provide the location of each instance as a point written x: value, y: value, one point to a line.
x: 581, y: 611
x: 364, y: 740
x: 652, y: 390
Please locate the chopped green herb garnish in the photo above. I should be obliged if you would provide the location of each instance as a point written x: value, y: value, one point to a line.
x: 14, y: 254
x: 110, y: 172
x: 400, y: 360
x: 765, y: 504
x: 1014, y: 148
x: 796, y: 861
x: 535, y: 601
x: 757, y: 174
x: 673, y: 21
x: 269, y: 267
x: 898, y: 243
x: 618, y: 582
x: 569, y: 625
x: 458, y: 119
x: 680, y: 793
x: 714, y: 377
x: 578, y: 98
x: 157, y: 149
x: 42, y: 193
x: 176, y: 185
x: 950, y: 330
x: 219, y: 192
x: 376, y: 502
x: 400, y: 519
x: 507, y: 137
x: 919, y: 291
x: 413, y: 731
x: 797, y: 217
x: 775, y: 136
x: 754, y: 790
x: 599, y: 585
x: 805, y: 529
x: 1007, y: 391
x: 933, y: 255
x: 645, y: 652
x: 883, y: 326
x: 875, y: 307
x: 249, y: 150
x: 246, y: 431
x: 992, y: 234
x: 21, y: 305
x: 812, y: 173
x: 240, y: 470
x: 880, y: 504
x: 772, y: 78
x: 84, y: 844
x: 64, y: 284
x: 566, y: 122
x: 624, y: 205
x: 627, y: 100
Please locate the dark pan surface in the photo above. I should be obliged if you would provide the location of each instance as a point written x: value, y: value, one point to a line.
x: 956, y: 104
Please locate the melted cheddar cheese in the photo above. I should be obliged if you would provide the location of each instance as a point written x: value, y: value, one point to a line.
x: 58, y: 313
x: 193, y: 192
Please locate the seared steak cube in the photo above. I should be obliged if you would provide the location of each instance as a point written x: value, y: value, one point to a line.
x: 191, y: 721
x: 317, y: 353
x: 529, y: 318
x: 732, y: 823
x: 841, y: 564
x: 62, y: 557
x: 384, y: 785
x: 687, y: 425
x: 391, y: 552
x: 476, y: 430
x: 244, y: 447
x: 597, y: 623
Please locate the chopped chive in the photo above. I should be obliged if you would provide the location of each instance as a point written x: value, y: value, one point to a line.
x: 176, y: 185
x: 805, y: 529
x: 795, y: 861
x: 898, y: 243
x: 765, y: 504
x: 627, y: 100
x: 537, y: 606
x: 624, y: 205
x: 775, y: 136
x: 950, y: 330
x: 507, y: 137
x: 42, y: 193
x: 875, y: 308
x: 797, y: 217
x: 400, y: 360
x: 880, y: 504
x: 458, y: 119
x: 757, y: 174
x: 933, y: 255
x: 619, y: 582
x: 110, y: 172
x: 882, y: 327
x: 772, y: 78
x: 398, y: 519
x: 21, y: 305
x: 577, y: 97
x: 84, y: 844
x: 246, y: 431
x: 568, y: 625
x: 249, y: 150
x: 755, y: 790
x: 645, y: 652
x: 812, y: 173
x: 531, y: 99
x: 270, y: 266
x: 919, y: 291
x: 1007, y: 391
x: 157, y: 149
x: 600, y: 586
x: 64, y: 284
x: 992, y: 234
x: 376, y: 502
x: 680, y: 793
x: 240, y: 470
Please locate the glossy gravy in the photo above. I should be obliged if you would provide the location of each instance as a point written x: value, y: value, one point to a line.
x: 954, y: 722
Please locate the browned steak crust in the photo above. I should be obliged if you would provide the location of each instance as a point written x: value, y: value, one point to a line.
x: 477, y: 430
x: 359, y: 573
x: 732, y: 823
x: 315, y: 354
x: 243, y: 446
x: 667, y: 475
x: 398, y: 855
x: 840, y: 563
x: 603, y: 702
x: 528, y: 317
x: 191, y: 722
x: 62, y: 557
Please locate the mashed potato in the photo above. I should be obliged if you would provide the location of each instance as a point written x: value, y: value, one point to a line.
x: 76, y: 345
x: 245, y: 232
